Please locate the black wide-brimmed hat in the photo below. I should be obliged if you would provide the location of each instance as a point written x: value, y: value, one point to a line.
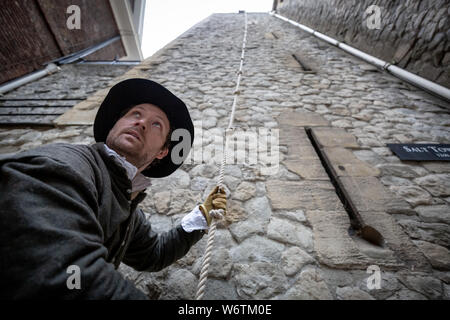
x: 132, y: 92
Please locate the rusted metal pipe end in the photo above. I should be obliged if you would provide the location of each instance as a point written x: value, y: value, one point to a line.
x: 371, y: 235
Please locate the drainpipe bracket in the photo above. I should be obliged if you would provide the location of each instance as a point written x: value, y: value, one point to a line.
x: 386, y: 66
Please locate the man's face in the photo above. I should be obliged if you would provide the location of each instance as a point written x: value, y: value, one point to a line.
x: 140, y: 134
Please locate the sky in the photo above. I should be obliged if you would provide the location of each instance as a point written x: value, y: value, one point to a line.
x: 165, y: 20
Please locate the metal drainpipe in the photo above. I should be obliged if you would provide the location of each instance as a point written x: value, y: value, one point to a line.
x: 400, y: 73
x: 52, y: 67
x: 85, y: 52
x: 49, y: 69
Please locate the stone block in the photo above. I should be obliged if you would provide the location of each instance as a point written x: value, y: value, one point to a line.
x: 199, y: 183
x: 179, y: 179
x: 220, y: 263
x: 348, y: 293
x: 426, y: 285
x: 310, y: 195
x: 219, y: 290
x: 335, y: 248
x: 301, y: 152
x: 401, y: 170
x: 345, y: 163
x: 293, y: 260
x: 160, y: 222
x: 244, y: 191
x: 290, y: 135
x: 375, y: 252
x: 438, y: 256
x: 332, y: 244
x: 395, y: 181
x: 340, y: 155
x: 338, y: 277
x: 135, y: 73
x: 412, y: 194
x: 233, y: 183
x: 258, y: 213
x: 307, y: 169
x: 183, y: 201
x: 205, y: 170
x: 76, y: 117
x: 181, y: 284
x: 437, y: 233
x: 437, y: 166
x: 355, y: 170
x: 295, y: 215
x: 335, y: 137
x: 101, y: 94
x: 405, y: 294
x: 434, y: 213
x: 259, y: 280
x: 269, y: 35
x: 397, y: 205
x: 87, y: 105
x: 402, y: 50
x: 342, y: 123
x: 290, y: 232
x: 309, y: 286
x: 301, y: 119
x: 396, y: 239
x: 436, y: 184
x: 366, y: 193
x: 161, y: 201
x: 257, y: 248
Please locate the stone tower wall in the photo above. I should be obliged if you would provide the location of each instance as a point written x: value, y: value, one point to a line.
x: 292, y: 239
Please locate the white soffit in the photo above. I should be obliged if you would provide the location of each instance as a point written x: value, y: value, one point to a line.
x: 124, y: 17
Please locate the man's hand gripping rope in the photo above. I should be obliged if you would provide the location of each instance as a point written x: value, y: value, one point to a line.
x: 215, y: 205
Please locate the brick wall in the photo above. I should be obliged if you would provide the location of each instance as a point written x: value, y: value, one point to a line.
x: 35, y: 32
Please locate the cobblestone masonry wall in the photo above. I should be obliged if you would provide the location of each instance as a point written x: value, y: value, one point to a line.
x: 413, y: 34
x: 272, y: 253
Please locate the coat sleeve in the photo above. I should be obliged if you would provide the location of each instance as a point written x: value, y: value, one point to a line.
x: 48, y: 223
x: 151, y: 251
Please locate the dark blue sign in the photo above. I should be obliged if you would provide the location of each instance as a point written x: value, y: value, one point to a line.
x: 421, y: 152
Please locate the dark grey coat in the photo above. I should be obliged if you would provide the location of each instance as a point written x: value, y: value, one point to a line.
x: 63, y: 205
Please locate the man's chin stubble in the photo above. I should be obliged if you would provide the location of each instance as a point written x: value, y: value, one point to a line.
x: 129, y: 156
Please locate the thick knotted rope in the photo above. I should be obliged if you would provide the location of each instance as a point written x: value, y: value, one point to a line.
x: 217, y: 214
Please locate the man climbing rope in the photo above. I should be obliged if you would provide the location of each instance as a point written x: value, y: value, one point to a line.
x: 73, y: 208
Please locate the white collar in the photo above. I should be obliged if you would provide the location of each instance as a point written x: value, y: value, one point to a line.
x: 138, y: 180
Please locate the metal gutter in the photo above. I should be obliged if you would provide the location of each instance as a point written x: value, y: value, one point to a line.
x: 49, y: 69
x: 52, y: 66
x: 73, y: 57
x: 111, y: 62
